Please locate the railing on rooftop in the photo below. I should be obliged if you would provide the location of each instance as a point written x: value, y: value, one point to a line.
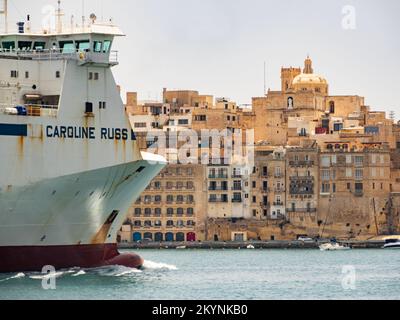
x: 59, y: 54
x: 34, y: 110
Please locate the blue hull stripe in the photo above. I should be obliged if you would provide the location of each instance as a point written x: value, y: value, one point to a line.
x: 16, y: 130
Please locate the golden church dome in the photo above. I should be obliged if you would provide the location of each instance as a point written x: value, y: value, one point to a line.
x: 309, y: 78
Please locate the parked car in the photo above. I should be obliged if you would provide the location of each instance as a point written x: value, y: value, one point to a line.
x: 305, y: 239
x: 145, y: 240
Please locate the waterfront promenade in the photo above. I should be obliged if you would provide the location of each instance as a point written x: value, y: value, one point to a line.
x: 244, y: 245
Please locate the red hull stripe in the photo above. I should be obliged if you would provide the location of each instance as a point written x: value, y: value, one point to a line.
x: 34, y: 258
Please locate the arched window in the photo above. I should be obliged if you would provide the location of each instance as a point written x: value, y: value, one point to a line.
x: 332, y: 107
x: 180, y: 236
x: 137, y: 236
x: 170, y: 223
x: 147, y: 212
x: 189, y: 211
x: 138, y: 212
x: 158, y: 237
x: 180, y: 211
x: 169, y: 237
x: 148, y: 235
x: 157, y: 212
x: 170, y: 212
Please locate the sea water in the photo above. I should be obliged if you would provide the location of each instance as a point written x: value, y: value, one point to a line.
x: 224, y: 274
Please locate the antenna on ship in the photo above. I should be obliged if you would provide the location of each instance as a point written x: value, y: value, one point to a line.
x: 83, y: 14
x: 5, y: 13
x: 59, y: 15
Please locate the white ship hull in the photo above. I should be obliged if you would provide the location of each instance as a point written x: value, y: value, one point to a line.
x: 70, y: 166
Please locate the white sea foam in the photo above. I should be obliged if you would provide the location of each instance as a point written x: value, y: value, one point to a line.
x: 17, y: 276
x: 151, y: 265
x: 115, y: 271
x: 79, y: 273
x: 48, y: 275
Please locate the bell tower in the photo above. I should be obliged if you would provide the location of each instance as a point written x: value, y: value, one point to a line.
x: 308, y: 66
x: 287, y: 76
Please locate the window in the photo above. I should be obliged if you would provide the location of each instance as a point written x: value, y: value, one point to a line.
x: 200, y: 118
x: 170, y: 198
x: 189, y: 211
x: 331, y: 107
x: 158, y: 223
x: 14, y: 74
x: 82, y: 45
x: 349, y: 159
x: 349, y: 172
x: 325, y: 161
x: 24, y: 45
x: 90, y: 76
x: 8, y: 45
x: 157, y: 211
x: 334, y: 187
x: 325, y: 174
x: 140, y: 124
x: 96, y: 76
x: 170, y: 212
x: 97, y: 46
x: 325, y: 188
x: 67, y: 46
x: 26, y: 74
x: 138, y: 212
x: 39, y: 46
x: 358, y: 160
x: 157, y: 199
x: 373, y: 158
x: 106, y: 46
x: 147, y: 212
x: 183, y: 121
x: 373, y: 172
x: 179, y: 211
x: 102, y: 104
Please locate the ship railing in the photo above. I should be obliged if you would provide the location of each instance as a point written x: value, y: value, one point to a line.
x: 34, y: 110
x: 60, y: 54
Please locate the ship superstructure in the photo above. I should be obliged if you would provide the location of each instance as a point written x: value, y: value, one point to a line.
x: 70, y: 166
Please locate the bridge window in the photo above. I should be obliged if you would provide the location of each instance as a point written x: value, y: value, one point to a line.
x: 67, y: 46
x: 97, y: 46
x: 24, y: 45
x: 39, y: 46
x: 83, y: 45
x: 106, y: 46
x: 8, y: 45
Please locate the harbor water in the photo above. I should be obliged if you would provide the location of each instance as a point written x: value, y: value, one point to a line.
x: 225, y: 274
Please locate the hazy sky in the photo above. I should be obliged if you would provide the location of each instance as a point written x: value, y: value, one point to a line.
x: 219, y: 46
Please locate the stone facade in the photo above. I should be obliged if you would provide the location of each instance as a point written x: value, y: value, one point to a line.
x: 324, y: 166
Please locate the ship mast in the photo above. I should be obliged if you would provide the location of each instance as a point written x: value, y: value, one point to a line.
x: 59, y: 15
x: 5, y: 13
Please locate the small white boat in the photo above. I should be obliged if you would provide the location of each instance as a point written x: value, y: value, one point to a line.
x: 392, y: 244
x: 250, y: 246
x: 181, y: 247
x: 333, y: 247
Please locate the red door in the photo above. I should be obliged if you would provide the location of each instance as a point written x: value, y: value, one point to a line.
x: 191, y: 237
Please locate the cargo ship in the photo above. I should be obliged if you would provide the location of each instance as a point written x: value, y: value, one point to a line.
x: 70, y: 164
